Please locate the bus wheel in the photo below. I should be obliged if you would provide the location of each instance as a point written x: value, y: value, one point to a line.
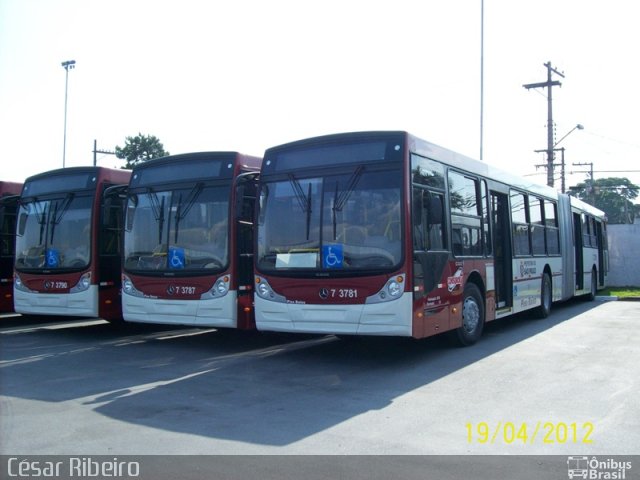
x: 472, y: 317
x: 594, y: 286
x: 546, y: 298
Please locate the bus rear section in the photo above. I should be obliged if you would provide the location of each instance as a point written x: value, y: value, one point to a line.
x: 67, y: 259
x: 188, y: 241
x: 9, y: 197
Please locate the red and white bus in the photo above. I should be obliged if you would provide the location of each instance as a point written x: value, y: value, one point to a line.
x: 188, y: 241
x: 381, y: 233
x: 9, y: 195
x: 68, y: 239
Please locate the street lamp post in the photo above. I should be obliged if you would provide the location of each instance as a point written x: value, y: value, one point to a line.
x: 562, y: 166
x: 578, y: 127
x: 69, y: 64
x: 554, y: 149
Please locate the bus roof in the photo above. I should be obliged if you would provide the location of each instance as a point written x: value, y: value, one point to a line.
x: 188, y: 167
x: 431, y: 150
x: 117, y: 172
x: 58, y: 179
x: 446, y: 156
x: 10, y: 188
x: 243, y: 159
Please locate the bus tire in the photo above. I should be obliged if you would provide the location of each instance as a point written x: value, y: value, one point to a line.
x: 546, y: 298
x: 594, y: 286
x: 472, y: 317
x: 117, y: 321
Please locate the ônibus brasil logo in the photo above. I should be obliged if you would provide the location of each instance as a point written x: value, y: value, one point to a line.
x: 594, y: 468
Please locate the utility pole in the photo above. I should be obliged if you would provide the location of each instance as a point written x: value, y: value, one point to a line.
x: 96, y: 151
x: 563, y: 187
x: 591, y: 181
x: 548, y: 84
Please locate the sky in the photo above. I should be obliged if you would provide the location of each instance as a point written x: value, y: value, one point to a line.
x: 245, y: 75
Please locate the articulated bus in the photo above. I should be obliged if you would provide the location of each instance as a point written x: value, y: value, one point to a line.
x: 188, y: 240
x: 68, y: 239
x: 381, y: 233
x: 9, y: 196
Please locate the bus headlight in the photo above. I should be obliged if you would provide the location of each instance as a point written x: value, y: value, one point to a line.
x: 392, y: 290
x: 129, y: 288
x: 264, y: 290
x: 17, y: 283
x: 83, y: 284
x: 219, y: 289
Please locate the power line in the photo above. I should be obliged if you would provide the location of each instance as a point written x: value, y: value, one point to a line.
x: 96, y: 151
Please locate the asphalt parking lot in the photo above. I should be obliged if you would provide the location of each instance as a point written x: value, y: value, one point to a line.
x: 567, y: 385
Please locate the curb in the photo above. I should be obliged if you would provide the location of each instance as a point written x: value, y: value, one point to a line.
x: 604, y: 298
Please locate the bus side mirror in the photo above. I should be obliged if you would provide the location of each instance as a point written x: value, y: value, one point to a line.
x: 114, y: 198
x: 107, y: 219
x: 245, y: 202
x: 129, y: 214
x: 22, y: 223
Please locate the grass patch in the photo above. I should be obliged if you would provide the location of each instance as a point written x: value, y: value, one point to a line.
x: 621, y: 292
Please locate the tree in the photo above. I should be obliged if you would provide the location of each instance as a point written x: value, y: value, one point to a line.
x: 612, y: 195
x: 140, y: 149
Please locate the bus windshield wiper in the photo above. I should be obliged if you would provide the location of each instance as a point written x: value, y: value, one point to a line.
x: 58, y: 213
x: 339, y: 201
x: 41, y: 218
x: 158, y: 211
x: 183, y: 212
x: 303, y: 200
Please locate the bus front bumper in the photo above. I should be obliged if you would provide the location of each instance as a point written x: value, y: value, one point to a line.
x: 81, y: 304
x: 389, y: 318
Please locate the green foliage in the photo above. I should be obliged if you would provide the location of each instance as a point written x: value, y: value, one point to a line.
x: 140, y: 149
x: 621, y: 292
x: 612, y: 195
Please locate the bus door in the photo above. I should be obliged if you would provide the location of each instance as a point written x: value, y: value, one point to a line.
x: 602, y: 251
x: 578, y: 250
x: 430, y: 259
x: 246, y: 192
x: 500, y: 214
x: 110, y: 252
x: 8, y: 209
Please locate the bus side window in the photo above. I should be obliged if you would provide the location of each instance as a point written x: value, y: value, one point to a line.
x: 466, y: 214
x: 436, y: 222
x: 428, y: 220
x: 419, y: 238
x: 520, y: 223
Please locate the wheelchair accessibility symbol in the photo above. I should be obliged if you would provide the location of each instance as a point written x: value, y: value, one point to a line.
x: 332, y: 256
x: 176, y: 258
x: 53, y: 258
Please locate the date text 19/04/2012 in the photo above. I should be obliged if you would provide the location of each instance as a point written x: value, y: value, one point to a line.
x: 548, y: 433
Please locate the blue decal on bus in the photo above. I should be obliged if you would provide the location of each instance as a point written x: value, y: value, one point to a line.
x: 176, y: 257
x: 53, y: 257
x: 332, y: 256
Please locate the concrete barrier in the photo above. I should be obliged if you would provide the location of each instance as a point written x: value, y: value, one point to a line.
x: 624, y: 255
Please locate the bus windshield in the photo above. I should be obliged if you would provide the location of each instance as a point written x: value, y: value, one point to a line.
x: 178, y: 230
x: 340, y: 222
x: 54, y: 233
